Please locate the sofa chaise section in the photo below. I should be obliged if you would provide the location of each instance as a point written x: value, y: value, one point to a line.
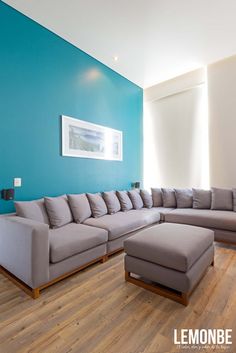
x: 222, y: 222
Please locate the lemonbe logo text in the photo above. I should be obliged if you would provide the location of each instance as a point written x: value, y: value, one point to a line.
x: 203, y: 336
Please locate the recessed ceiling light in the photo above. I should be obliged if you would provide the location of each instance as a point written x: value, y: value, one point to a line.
x: 115, y: 58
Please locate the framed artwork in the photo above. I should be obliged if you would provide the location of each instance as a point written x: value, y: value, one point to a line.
x: 83, y: 139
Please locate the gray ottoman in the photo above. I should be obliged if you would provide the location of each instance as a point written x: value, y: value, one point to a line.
x: 169, y: 259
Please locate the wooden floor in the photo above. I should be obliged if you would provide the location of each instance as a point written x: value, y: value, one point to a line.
x: 96, y: 311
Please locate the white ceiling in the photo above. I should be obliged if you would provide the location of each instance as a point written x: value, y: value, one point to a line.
x: 154, y: 40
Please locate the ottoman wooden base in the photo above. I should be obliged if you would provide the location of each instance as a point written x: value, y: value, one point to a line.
x: 182, y: 298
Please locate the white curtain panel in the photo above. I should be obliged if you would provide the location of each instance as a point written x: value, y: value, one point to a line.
x: 176, y: 139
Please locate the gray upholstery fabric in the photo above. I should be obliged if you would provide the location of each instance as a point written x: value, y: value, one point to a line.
x: 76, y: 261
x: 125, y: 201
x: 174, y: 246
x: 201, y: 199
x: 58, y: 211
x: 136, y: 199
x: 184, y: 198
x: 181, y: 281
x: 224, y: 235
x: 147, y: 198
x: 97, y: 205
x: 169, y: 199
x: 157, y: 197
x: 34, y: 210
x: 112, y: 201
x: 118, y: 243
x: 73, y: 239
x: 122, y: 223
x: 24, y: 249
x: 163, y: 211
x: 234, y: 200
x: 225, y: 220
x: 80, y: 207
x: 222, y: 199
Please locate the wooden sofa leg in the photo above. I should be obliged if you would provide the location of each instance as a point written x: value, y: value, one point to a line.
x: 127, y: 275
x: 104, y: 259
x: 185, y: 299
x: 35, y: 293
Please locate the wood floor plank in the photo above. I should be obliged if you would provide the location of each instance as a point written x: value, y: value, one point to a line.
x: 96, y: 311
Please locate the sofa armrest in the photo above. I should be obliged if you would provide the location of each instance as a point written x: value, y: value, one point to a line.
x: 24, y: 249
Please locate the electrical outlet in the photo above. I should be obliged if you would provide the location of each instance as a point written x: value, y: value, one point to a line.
x: 17, y: 182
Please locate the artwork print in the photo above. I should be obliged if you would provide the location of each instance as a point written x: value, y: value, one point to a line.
x: 83, y: 139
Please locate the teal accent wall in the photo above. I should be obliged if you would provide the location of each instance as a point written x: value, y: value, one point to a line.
x: 42, y: 77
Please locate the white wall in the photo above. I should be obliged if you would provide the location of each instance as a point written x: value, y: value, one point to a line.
x: 222, y: 119
x: 176, y: 133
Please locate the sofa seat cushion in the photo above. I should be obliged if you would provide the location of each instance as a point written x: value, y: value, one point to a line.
x: 225, y: 220
x: 175, y: 246
x: 73, y: 239
x: 122, y: 223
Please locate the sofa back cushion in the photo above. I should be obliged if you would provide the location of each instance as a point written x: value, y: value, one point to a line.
x: 58, y: 210
x: 80, y: 207
x: 201, y: 199
x: 184, y: 198
x: 34, y: 210
x: 169, y: 199
x: 136, y: 199
x: 222, y: 199
x: 147, y: 198
x: 112, y: 201
x: 97, y: 204
x: 125, y: 201
x: 157, y: 197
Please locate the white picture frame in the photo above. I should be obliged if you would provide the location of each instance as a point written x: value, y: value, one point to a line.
x: 87, y: 140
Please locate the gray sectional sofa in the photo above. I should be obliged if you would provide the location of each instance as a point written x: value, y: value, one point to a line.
x: 49, y: 239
